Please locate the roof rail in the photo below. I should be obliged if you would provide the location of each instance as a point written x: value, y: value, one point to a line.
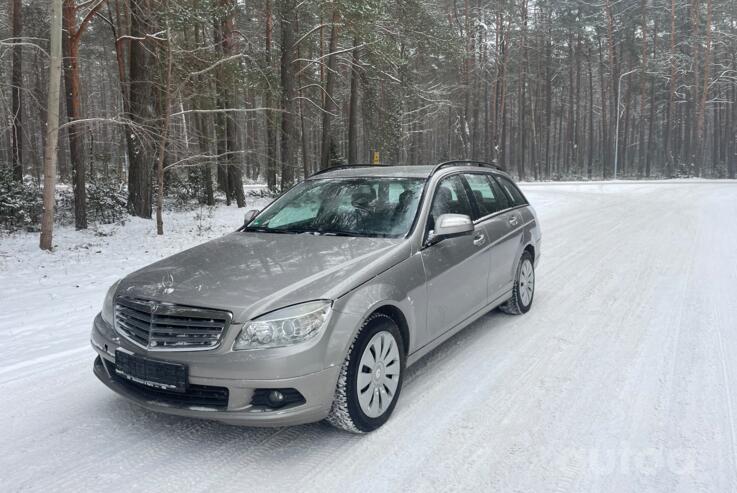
x: 459, y: 162
x: 467, y: 162
x: 346, y: 166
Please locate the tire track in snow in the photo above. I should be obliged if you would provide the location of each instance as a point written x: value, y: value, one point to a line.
x: 728, y: 398
x: 41, y: 363
x: 724, y: 252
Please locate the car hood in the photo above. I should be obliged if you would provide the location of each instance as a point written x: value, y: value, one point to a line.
x: 252, y: 273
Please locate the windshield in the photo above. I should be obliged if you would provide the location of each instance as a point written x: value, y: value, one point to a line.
x: 382, y: 207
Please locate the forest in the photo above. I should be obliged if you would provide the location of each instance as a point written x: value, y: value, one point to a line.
x: 192, y: 99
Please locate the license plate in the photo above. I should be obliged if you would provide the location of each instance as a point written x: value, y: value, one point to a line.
x: 152, y: 373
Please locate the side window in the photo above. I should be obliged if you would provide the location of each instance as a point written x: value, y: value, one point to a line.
x: 450, y: 198
x: 501, y: 198
x: 486, y: 194
x: 513, y: 192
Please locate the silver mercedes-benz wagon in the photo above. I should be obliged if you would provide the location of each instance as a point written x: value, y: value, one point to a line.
x: 314, y: 308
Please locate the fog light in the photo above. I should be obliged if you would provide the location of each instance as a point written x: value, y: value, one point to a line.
x: 276, y: 398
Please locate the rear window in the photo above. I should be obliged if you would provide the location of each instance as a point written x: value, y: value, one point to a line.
x: 515, y: 196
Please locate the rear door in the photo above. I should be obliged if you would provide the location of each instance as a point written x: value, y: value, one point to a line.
x: 456, y: 269
x: 490, y: 204
x: 510, y: 247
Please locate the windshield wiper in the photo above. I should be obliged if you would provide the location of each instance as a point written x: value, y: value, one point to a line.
x: 269, y: 230
x: 357, y: 234
x: 285, y: 231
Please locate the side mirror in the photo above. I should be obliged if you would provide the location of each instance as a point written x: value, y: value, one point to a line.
x: 450, y: 226
x: 249, y: 216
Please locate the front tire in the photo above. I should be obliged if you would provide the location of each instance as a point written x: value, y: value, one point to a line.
x: 370, y: 379
x: 524, y: 287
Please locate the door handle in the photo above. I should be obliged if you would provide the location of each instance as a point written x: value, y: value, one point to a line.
x: 513, y: 220
x: 479, y: 239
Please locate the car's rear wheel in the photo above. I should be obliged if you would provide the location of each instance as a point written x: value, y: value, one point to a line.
x: 524, y: 287
x: 371, y: 377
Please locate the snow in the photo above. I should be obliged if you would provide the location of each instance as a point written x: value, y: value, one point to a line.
x: 622, y: 377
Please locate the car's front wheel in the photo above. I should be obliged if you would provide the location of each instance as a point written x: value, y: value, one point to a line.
x: 371, y: 377
x: 524, y: 287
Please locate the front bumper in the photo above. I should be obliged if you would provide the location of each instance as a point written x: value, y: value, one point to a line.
x: 317, y: 387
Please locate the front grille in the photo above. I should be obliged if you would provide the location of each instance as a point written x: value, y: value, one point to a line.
x: 195, y: 395
x: 164, y: 326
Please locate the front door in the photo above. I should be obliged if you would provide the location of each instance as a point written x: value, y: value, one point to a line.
x: 456, y: 269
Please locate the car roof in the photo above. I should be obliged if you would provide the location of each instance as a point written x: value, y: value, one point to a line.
x: 376, y: 170
x: 403, y: 171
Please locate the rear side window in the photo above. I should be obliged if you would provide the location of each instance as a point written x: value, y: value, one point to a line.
x: 515, y: 196
x: 487, y: 195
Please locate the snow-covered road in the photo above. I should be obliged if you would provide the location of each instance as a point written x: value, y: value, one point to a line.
x: 623, y: 376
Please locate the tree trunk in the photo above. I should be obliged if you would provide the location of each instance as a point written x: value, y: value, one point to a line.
x: 731, y: 133
x: 288, y: 18
x: 221, y: 116
x: 270, y: 123
x: 226, y: 92
x: 522, y: 113
x: 590, y: 165
x: 38, y: 69
x: 577, y: 123
x: 52, y: 127
x: 502, y: 112
x: 203, y: 131
x: 118, y: 28
x: 306, y: 168
x: 641, y: 146
x: 548, y: 97
x: 613, y: 72
x: 140, y: 157
x: 568, y: 135
x: 673, y: 84
x: 204, y: 148
x: 163, y: 139
x: 353, y: 106
x: 494, y: 124
x: 701, y: 114
x: 651, y: 118
x: 330, y: 107
x: 623, y: 144
x: 605, y: 147
x: 17, y: 92
x: 75, y: 132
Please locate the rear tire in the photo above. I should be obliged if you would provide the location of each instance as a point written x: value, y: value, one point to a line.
x: 370, y: 379
x: 524, y: 287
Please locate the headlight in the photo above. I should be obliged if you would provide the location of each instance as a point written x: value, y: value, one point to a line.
x: 285, y: 327
x: 107, y: 307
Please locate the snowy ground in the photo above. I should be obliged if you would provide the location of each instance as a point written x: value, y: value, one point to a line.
x: 623, y: 377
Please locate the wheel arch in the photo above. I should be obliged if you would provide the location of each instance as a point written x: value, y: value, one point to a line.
x: 396, y: 314
x: 398, y: 293
x: 530, y: 248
